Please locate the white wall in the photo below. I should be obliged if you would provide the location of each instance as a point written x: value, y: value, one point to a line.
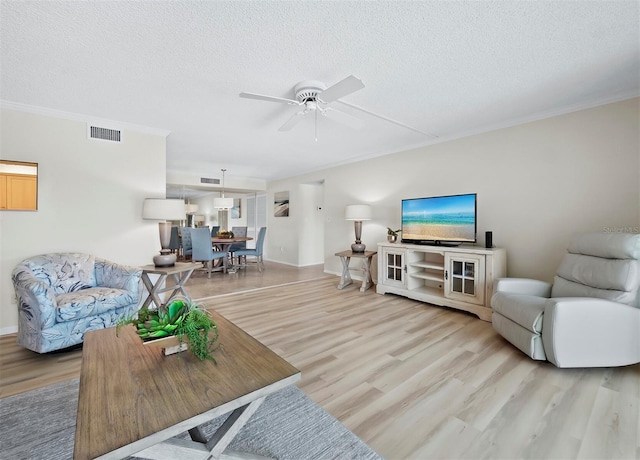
x: 90, y: 196
x: 537, y: 184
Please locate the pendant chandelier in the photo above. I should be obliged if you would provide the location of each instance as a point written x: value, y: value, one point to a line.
x: 223, y: 203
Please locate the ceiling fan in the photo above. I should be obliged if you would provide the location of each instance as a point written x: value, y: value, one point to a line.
x: 313, y: 97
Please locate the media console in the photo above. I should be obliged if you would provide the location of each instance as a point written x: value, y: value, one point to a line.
x: 459, y: 277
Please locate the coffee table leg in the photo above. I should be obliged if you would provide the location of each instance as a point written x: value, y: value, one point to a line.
x: 231, y: 427
x: 199, y: 448
x: 197, y: 435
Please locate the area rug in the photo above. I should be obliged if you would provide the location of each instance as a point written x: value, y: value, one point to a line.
x: 40, y: 424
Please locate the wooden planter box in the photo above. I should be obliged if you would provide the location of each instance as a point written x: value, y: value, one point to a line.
x: 169, y: 345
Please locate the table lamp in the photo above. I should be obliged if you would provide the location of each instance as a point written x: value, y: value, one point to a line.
x: 165, y: 211
x: 191, y: 208
x: 358, y: 213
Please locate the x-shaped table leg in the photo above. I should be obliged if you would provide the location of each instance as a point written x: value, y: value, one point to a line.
x: 366, y: 269
x: 201, y: 448
x: 153, y: 290
x: 180, y: 279
x: 159, y: 287
x: 345, y: 279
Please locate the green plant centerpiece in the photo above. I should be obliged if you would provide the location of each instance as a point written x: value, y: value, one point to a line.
x: 225, y: 234
x: 180, y: 318
x: 392, y: 235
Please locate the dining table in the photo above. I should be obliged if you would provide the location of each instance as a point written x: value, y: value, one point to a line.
x: 223, y: 245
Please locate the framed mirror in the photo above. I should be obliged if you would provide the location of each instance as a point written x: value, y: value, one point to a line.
x: 18, y: 186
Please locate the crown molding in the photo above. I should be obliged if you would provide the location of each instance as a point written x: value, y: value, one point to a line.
x: 83, y: 118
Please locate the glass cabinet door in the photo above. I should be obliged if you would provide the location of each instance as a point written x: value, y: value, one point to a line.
x: 394, y: 267
x: 464, y: 277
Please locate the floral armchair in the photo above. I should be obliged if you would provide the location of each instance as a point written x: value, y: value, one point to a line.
x: 61, y: 296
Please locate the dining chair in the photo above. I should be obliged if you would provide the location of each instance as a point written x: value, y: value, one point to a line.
x: 185, y: 233
x: 214, y: 233
x: 238, y: 231
x: 202, y: 249
x: 257, y: 252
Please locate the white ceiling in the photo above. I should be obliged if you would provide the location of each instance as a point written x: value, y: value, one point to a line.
x: 451, y: 68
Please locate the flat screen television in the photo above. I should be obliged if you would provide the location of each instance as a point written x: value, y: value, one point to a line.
x: 440, y: 220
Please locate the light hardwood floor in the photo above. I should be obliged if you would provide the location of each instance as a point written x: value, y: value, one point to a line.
x: 412, y: 380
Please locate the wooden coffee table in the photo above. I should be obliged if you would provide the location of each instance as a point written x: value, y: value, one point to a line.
x: 134, y: 400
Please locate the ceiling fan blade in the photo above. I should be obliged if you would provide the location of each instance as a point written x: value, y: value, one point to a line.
x: 349, y: 85
x: 388, y: 119
x: 344, y: 118
x: 294, y: 120
x: 261, y: 97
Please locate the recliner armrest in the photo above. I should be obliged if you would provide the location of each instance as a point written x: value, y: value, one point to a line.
x: 110, y: 274
x: 588, y: 332
x: 36, y: 299
x: 523, y: 286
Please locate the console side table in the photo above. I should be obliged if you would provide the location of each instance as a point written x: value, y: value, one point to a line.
x: 180, y: 272
x: 345, y: 258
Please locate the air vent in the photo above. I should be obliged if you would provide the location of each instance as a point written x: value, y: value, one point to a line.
x: 105, y: 134
x: 208, y: 180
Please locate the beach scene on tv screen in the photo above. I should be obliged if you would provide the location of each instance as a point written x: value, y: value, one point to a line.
x: 449, y: 218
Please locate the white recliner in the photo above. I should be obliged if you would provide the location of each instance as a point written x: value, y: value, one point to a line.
x: 589, y: 317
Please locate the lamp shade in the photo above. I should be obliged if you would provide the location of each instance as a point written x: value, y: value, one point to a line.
x: 163, y: 209
x: 223, y: 203
x: 191, y: 208
x: 358, y: 212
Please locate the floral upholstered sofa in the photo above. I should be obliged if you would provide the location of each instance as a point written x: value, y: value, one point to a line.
x: 61, y: 296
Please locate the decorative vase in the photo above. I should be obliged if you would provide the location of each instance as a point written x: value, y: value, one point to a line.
x: 392, y: 238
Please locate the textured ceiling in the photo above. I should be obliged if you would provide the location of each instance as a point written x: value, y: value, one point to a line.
x: 451, y: 68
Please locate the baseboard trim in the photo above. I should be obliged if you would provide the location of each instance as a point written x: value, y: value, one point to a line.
x: 228, y: 294
x: 292, y: 265
x: 9, y: 330
x: 354, y: 274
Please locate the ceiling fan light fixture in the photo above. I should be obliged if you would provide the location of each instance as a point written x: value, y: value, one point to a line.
x: 316, y: 96
x: 308, y: 90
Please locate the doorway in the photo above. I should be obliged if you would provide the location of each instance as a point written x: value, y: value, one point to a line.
x: 311, y: 227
